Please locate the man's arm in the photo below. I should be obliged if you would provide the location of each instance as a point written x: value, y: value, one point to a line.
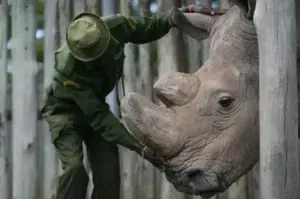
x: 146, y: 29
x: 112, y: 130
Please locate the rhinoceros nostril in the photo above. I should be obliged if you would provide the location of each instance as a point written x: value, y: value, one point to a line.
x: 195, y: 173
x: 192, y: 176
x: 200, y: 181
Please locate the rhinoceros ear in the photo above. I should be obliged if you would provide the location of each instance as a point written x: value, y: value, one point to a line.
x: 176, y: 88
x: 195, y: 25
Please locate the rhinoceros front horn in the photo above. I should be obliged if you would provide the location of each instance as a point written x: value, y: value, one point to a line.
x: 155, y: 126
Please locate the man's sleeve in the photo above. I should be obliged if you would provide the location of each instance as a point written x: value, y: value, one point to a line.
x: 141, y: 30
x: 100, y: 118
x: 104, y: 122
x: 114, y: 131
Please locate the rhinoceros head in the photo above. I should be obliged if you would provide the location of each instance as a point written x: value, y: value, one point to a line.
x: 207, y: 129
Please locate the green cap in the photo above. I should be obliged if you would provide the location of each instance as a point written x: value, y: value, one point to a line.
x: 87, y: 37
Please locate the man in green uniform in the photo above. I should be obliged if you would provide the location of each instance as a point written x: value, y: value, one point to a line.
x: 87, y: 68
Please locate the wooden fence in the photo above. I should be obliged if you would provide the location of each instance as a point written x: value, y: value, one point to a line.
x: 28, y: 163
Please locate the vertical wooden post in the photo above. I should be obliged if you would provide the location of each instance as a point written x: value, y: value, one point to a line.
x: 128, y: 159
x: 224, y: 4
x: 94, y: 6
x: 205, y: 42
x: 78, y: 7
x: 253, y: 182
x: 298, y: 62
x: 146, y: 174
x: 194, y: 49
x: 279, y: 166
x: 65, y: 16
x: 144, y: 57
x: 24, y: 99
x: 108, y: 8
x: 4, y: 141
x: 50, y: 45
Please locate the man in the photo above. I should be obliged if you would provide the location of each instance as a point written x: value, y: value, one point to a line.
x: 87, y: 68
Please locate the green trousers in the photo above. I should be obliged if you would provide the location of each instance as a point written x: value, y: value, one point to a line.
x: 69, y: 131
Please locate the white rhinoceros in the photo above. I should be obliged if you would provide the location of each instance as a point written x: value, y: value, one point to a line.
x: 208, y: 132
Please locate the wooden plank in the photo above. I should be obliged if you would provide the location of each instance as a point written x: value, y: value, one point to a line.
x: 79, y: 6
x: 279, y: 165
x: 128, y: 159
x: 50, y: 162
x: 205, y: 42
x: 298, y: 64
x: 4, y: 139
x: 223, y: 195
x: 224, y: 4
x: 108, y: 8
x: 94, y: 6
x: 146, y: 175
x: 253, y: 182
x: 24, y: 100
x: 194, y: 54
x: 239, y: 189
x: 298, y: 28
x: 64, y: 15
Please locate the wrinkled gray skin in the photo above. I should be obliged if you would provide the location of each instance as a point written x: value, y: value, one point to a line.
x: 208, y: 129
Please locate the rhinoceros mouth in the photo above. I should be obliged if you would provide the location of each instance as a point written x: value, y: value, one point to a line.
x: 197, y: 182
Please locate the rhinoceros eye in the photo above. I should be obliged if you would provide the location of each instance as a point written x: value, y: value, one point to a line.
x: 225, y: 102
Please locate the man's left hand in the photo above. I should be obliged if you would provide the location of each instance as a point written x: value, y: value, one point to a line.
x: 202, y: 10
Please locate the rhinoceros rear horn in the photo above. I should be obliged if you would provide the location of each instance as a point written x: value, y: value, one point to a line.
x: 193, y: 24
x: 176, y: 88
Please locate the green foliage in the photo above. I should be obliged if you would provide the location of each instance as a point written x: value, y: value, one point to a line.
x: 39, y: 6
x: 40, y: 25
x: 9, y: 21
x: 40, y: 50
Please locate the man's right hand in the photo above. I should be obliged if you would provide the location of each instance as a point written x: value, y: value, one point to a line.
x: 132, y: 143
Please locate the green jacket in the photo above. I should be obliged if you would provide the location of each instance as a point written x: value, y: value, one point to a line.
x: 87, y: 84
